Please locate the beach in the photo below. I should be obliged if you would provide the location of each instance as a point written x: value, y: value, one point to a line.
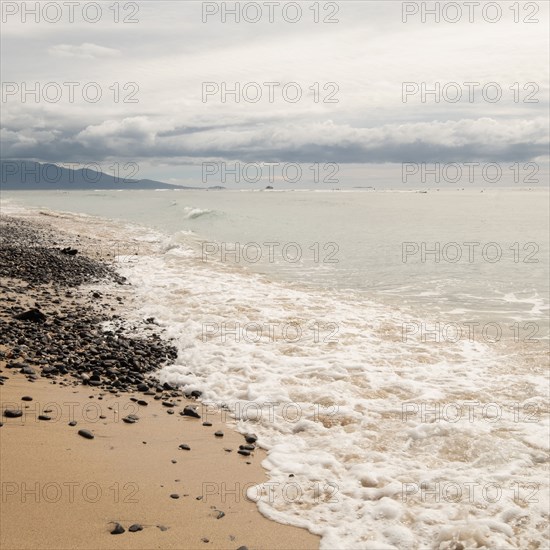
x: 95, y: 452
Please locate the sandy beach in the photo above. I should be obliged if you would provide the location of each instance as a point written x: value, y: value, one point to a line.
x: 94, y: 453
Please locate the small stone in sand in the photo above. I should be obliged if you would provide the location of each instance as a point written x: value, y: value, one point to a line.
x: 26, y: 398
x: 13, y: 413
x: 220, y: 514
x: 174, y: 461
x: 243, y: 452
x: 207, y: 424
x: 218, y: 434
x: 86, y: 434
x: 251, y: 438
x: 162, y: 527
x: 72, y: 423
x: 205, y: 540
x: 135, y: 527
x: 118, y: 530
x: 190, y: 411
x: 142, y: 403
x: 185, y: 447
x: 44, y: 417
x: 174, y: 496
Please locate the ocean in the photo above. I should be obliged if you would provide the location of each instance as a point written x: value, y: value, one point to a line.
x: 389, y: 348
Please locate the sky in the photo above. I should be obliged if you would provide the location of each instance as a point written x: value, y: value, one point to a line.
x: 139, y: 86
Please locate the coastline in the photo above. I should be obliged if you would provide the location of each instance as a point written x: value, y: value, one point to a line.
x: 62, y: 490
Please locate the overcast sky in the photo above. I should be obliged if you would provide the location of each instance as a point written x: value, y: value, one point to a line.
x: 360, y: 63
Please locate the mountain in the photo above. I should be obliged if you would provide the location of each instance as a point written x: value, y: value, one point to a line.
x: 22, y: 175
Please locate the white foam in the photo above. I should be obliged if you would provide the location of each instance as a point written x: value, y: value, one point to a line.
x: 350, y: 451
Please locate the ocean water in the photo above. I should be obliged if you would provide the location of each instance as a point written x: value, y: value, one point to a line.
x: 390, y: 349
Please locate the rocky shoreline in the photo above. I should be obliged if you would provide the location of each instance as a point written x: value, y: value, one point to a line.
x: 58, y: 332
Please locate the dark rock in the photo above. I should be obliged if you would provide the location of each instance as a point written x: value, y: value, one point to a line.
x: 142, y: 403
x: 27, y: 370
x: 118, y: 529
x: 207, y: 424
x: 72, y: 423
x: 247, y: 447
x: 251, y: 438
x: 86, y: 434
x: 135, y: 527
x: 220, y: 514
x: 218, y: 433
x: 244, y: 452
x: 13, y: 413
x: 26, y: 398
x: 185, y: 447
x: 190, y: 411
x: 174, y: 496
x: 44, y: 417
x: 34, y: 315
x: 168, y: 404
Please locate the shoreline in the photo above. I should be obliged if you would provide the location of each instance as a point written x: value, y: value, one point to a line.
x: 78, y: 362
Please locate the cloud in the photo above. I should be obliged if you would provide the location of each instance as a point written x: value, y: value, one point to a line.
x: 466, y: 140
x: 369, y: 54
x: 84, y: 51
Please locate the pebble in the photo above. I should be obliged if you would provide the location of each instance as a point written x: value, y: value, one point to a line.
x: 26, y: 398
x: 218, y: 434
x: 118, y: 529
x: 86, y: 434
x: 185, y: 447
x: 251, y: 438
x: 208, y: 424
x: 135, y: 527
x: 72, y: 423
x: 174, y: 496
x: 190, y: 411
x: 244, y: 452
x: 13, y: 413
x: 44, y: 417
